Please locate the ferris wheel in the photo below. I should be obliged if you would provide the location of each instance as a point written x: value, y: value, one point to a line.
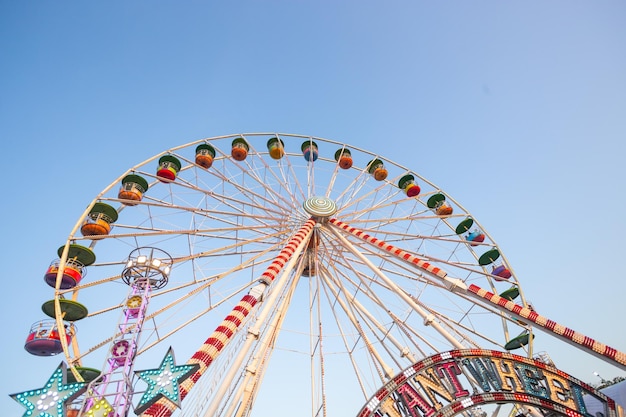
x: 281, y: 269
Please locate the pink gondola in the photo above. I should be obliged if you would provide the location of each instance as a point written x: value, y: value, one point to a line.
x: 44, y: 338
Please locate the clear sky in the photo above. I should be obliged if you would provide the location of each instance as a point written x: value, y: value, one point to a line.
x: 516, y: 109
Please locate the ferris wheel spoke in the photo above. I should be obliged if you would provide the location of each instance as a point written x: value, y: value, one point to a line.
x: 260, y: 200
x: 205, y: 283
x: 448, y: 322
x: 367, y: 316
x: 249, y: 170
x: 199, y: 286
x: 383, y: 204
x: 253, y: 171
x: 239, y: 206
x: 247, y: 388
x: 263, y: 247
x: 405, y: 297
x: 398, y: 263
x: 366, y: 282
x: 331, y: 181
x: 414, y: 335
x: 161, y: 337
x: 495, y: 300
x: 287, y: 178
x: 348, y: 346
x: 242, y: 207
x: 380, y: 224
x: 377, y: 202
x: 453, y: 325
x: 353, y: 194
x: 246, y: 197
x: 335, y: 175
x: 384, y: 371
x: 223, y: 233
x: 395, y: 319
x: 351, y: 191
x: 472, y: 270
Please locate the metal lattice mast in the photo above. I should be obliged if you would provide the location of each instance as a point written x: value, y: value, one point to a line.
x: 145, y: 270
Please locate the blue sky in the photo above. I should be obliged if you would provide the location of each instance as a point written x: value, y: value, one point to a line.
x: 517, y: 109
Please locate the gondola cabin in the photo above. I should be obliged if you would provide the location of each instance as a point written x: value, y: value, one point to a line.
x: 501, y: 272
x: 240, y: 149
x: 438, y: 204
x: 44, y: 338
x: 444, y: 210
x: 377, y: 169
x: 518, y: 341
x: 344, y: 158
x: 78, y: 258
x: 133, y: 189
x: 489, y: 257
x: 309, y: 150
x: 407, y: 183
x: 205, y: 154
x: 276, y: 148
x: 475, y: 237
x: 464, y: 226
x: 168, y: 169
x: 133, y: 305
x: 70, y: 310
x: 510, y: 294
x: 120, y: 352
x: 99, y: 220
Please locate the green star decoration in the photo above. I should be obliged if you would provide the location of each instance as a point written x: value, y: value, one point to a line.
x: 49, y: 400
x: 164, y: 382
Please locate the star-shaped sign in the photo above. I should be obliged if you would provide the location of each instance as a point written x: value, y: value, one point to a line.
x: 49, y: 400
x: 164, y: 382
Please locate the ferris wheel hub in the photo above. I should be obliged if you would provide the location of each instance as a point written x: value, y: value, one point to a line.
x: 320, y: 206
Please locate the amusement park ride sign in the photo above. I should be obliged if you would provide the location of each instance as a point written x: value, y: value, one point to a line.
x: 458, y: 381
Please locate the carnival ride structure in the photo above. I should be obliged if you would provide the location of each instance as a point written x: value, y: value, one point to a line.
x: 284, y: 269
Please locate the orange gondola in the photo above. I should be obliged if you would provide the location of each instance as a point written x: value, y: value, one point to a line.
x: 240, y: 149
x: 439, y: 205
x: 276, y: 148
x: 377, y: 169
x: 133, y: 189
x: 205, y: 154
x: 99, y: 220
x: 344, y: 158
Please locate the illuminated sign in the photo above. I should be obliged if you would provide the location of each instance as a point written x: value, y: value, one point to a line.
x: 454, y: 382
